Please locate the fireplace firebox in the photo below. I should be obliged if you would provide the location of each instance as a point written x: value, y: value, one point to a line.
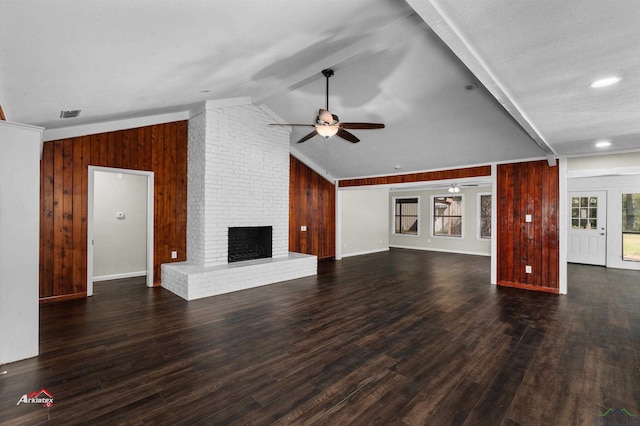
x: 249, y: 242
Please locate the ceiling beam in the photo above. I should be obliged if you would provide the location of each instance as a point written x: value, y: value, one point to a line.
x: 445, y: 27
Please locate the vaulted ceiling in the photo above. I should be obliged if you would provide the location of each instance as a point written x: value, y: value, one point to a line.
x: 456, y: 83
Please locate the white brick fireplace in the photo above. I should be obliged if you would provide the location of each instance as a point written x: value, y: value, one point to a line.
x: 238, y: 176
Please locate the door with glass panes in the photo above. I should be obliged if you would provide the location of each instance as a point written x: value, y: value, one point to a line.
x: 587, y: 228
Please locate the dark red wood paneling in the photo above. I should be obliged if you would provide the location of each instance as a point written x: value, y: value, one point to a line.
x: 160, y: 148
x: 312, y: 204
x: 419, y: 177
x: 528, y: 188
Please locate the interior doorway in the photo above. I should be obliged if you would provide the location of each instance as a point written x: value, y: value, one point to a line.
x: 117, y: 218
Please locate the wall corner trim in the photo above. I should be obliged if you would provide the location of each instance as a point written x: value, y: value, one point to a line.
x: 38, y: 129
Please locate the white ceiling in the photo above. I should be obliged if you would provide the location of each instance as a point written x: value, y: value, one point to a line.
x: 406, y: 64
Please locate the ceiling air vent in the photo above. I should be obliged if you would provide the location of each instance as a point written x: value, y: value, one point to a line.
x: 70, y: 114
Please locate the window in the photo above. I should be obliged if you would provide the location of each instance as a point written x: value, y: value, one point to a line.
x: 406, y: 215
x: 631, y: 227
x: 584, y: 212
x: 447, y: 216
x: 484, y: 216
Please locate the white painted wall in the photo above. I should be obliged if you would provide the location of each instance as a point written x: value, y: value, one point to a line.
x: 19, y: 240
x: 604, y: 164
x: 364, y: 218
x: 120, y: 244
x: 469, y: 243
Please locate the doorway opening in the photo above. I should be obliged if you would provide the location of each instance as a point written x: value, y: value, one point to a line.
x: 120, y: 225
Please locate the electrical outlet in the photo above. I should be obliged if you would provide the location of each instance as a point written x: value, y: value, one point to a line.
x: 303, y: 228
x: 174, y: 254
x: 527, y: 269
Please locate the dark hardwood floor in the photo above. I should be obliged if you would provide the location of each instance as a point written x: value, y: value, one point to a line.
x: 396, y: 338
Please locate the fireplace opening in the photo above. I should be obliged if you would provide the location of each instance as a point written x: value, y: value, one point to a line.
x: 249, y: 242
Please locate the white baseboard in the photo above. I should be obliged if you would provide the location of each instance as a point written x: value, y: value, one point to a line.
x: 441, y: 250
x: 359, y: 253
x: 120, y: 276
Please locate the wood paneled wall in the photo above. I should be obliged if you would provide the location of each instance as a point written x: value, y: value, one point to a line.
x: 528, y: 188
x: 419, y: 177
x: 312, y: 204
x: 160, y: 148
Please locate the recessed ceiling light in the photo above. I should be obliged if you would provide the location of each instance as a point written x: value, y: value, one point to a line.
x: 604, y: 82
x: 603, y: 144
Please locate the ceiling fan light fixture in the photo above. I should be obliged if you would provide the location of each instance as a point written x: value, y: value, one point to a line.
x: 327, y: 131
x: 328, y: 124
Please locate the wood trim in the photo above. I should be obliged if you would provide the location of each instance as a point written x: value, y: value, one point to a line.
x: 418, y: 177
x: 2, y: 116
x: 160, y: 148
x: 528, y: 287
x: 63, y: 297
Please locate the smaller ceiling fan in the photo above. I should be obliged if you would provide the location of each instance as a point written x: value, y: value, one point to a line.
x: 328, y: 124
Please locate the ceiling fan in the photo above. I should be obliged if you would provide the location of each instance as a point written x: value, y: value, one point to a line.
x: 328, y: 124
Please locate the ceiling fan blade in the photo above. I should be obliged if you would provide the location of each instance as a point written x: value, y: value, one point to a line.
x: 362, y: 125
x: 348, y: 136
x: 287, y: 124
x: 309, y: 136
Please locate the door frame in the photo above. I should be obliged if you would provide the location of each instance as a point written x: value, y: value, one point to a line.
x: 90, y: 219
x: 602, y: 228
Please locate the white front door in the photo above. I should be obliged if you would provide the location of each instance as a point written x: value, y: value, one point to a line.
x: 587, y: 227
